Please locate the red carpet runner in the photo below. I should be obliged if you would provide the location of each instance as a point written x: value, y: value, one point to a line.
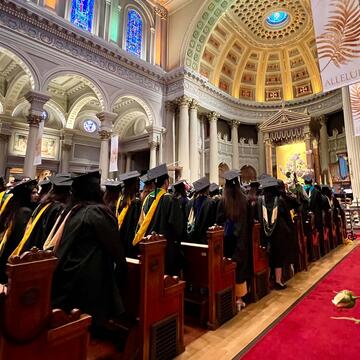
x: 307, y: 332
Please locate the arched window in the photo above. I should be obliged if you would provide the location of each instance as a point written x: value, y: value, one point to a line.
x: 134, y: 33
x: 82, y: 13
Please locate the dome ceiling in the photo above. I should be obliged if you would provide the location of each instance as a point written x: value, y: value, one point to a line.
x: 263, y: 50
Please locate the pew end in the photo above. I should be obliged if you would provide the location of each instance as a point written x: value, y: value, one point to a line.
x: 210, y: 291
x: 29, y: 328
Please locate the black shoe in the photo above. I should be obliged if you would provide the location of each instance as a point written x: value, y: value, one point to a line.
x: 279, y: 286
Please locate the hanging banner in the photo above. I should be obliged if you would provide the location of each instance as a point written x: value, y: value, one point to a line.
x: 355, y: 106
x: 37, y: 158
x: 337, y: 32
x: 114, y: 154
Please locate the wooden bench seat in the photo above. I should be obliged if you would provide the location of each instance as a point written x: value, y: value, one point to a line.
x: 210, y: 280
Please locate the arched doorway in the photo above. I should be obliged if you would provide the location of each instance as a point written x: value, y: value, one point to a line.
x: 223, y: 168
x: 248, y: 173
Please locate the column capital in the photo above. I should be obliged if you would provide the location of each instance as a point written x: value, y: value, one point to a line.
x: 170, y: 106
x: 235, y: 123
x: 153, y: 144
x: 104, y: 134
x: 37, y: 100
x: 66, y: 147
x: 322, y: 120
x: 213, y: 116
x: 194, y: 105
x: 106, y: 116
x: 34, y: 120
x: 183, y: 101
x: 161, y: 11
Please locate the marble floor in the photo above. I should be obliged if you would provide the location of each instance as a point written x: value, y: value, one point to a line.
x: 230, y: 339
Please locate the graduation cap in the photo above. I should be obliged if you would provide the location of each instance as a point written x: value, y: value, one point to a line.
x: 131, y: 175
x: 91, y: 177
x: 254, y: 184
x: 232, y: 175
x: 112, y: 185
x: 213, y: 187
x: 23, y: 187
x: 201, y: 184
x: 268, y: 182
x: 61, y: 180
x: 179, y: 184
x: 157, y: 172
x: 44, y: 183
x: 144, y: 179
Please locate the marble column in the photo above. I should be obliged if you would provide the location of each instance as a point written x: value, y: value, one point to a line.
x: 170, y: 133
x: 214, y: 151
x: 309, y: 152
x: 153, y: 148
x: 152, y: 49
x: 128, y: 163
x: 107, y: 19
x: 194, y: 159
x: 235, y: 144
x: 202, y: 129
x: 261, y: 145
x: 106, y: 119
x: 4, y: 143
x: 317, y: 167
x: 268, y: 155
x: 183, y: 142
x: 37, y: 101
x: 352, y: 143
x: 324, y: 147
x: 66, y: 147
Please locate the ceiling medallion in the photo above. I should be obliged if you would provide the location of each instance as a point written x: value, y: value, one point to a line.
x: 278, y: 19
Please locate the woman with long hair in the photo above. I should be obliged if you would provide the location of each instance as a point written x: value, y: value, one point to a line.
x: 233, y: 214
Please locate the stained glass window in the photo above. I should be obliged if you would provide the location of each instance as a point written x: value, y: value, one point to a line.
x: 82, y: 12
x: 134, y: 33
x: 50, y: 4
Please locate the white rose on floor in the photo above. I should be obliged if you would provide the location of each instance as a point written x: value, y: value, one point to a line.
x: 344, y: 299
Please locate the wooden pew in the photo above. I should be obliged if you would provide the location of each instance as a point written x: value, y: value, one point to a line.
x: 210, y: 280
x: 29, y: 328
x: 260, y: 262
x: 302, y: 247
x: 157, y: 300
x: 312, y: 237
x: 340, y: 227
x: 325, y: 234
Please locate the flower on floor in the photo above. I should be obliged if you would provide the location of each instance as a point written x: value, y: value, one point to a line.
x: 344, y: 299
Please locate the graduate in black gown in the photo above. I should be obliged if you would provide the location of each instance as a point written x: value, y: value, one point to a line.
x: 45, y: 186
x: 112, y: 194
x: 91, y: 261
x: 47, y: 212
x: 202, y: 212
x: 180, y: 194
x: 276, y: 227
x: 233, y: 215
x: 161, y: 213
x: 13, y: 221
x: 129, y: 212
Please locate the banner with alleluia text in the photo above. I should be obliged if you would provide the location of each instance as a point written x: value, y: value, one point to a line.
x: 337, y: 32
x: 113, y: 166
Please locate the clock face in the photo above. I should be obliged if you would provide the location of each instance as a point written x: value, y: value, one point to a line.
x: 90, y: 126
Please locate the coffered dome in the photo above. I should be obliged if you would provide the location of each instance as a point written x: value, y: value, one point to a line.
x: 263, y: 50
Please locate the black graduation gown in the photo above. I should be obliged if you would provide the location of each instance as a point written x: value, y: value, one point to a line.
x: 20, y: 221
x: 236, y: 242
x: 44, y: 226
x: 128, y: 229
x: 168, y: 221
x: 205, y: 216
x: 91, y: 265
x: 281, y: 241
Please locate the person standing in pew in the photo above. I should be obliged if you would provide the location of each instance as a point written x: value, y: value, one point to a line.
x: 15, y: 214
x: 112, y: 194
x: 91, y: 261
x: 202, y: 212
x: 129, y: 211
x: 233, y: 215
x: 45, y: 215
x: 276, y: 225
x: 180, y: 194
x: 147, y: 186
x: 161, y: 213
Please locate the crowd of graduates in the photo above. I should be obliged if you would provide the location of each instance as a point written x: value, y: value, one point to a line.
x: 93, y: 227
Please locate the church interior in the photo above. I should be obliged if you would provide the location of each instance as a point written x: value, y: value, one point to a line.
x: 224, y: 91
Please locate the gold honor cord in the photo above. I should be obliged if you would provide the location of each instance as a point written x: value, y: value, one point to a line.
x: 29, y: 229
x: 5, y: 237
x: 3, y: 206
x: 122, y: 215
x: 118, y: 205
x: 148, y: 217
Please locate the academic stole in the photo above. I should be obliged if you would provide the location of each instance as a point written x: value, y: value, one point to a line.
x: 29, y: 229
x: 148, y: 217
x: 269, y: 227
x: 118, y: 205
x: 3, y: 206
x: 5, y: 237
x: 122, y: 214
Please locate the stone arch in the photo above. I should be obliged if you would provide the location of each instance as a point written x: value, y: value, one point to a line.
x: 76, y: 108
x: 57, y: 111
x: 200, y: 30
x: 91, y: 83
x: 14, y: 90
x: 26, y: 64
x: 248, y: 173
